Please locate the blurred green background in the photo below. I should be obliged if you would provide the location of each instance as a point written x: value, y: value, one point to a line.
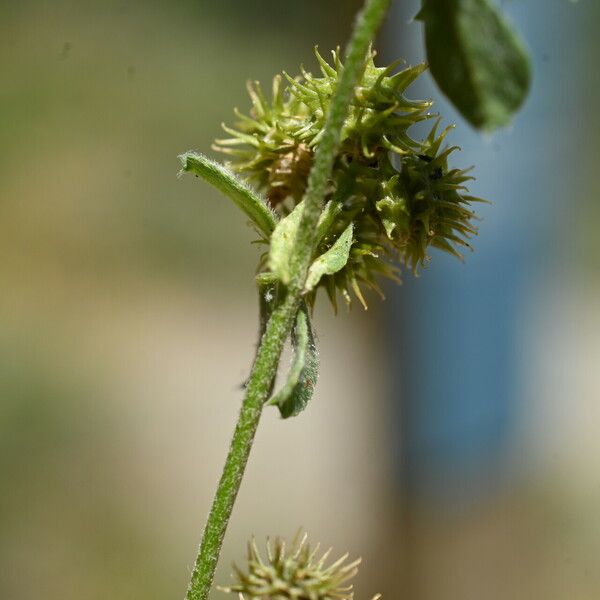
x: 127, y: 324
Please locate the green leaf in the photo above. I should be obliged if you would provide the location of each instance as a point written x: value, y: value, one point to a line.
x: 331, y: 261
x: 330, y: 213
x: 282, y: 244
x: 298, y: 389
x: 477, y: 59
x: 227, y: 183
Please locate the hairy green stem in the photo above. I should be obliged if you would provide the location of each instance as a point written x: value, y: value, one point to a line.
x: 282, y: 319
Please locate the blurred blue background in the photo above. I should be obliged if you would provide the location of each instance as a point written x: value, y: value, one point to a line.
x: 453, y: 441
x: 459, y: 331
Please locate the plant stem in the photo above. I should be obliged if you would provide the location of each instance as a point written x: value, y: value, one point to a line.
x: 283, y: 316
x: 259, y: 385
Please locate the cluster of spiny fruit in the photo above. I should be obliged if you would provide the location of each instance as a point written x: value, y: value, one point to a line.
x: 398, y: 192
x: 296, y: 572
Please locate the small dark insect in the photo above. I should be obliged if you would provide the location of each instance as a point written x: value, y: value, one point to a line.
x: 437, y: 173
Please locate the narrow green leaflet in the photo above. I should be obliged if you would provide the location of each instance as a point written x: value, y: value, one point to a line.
x: 477, y: 59
x: 331, y: 211
x: 298, y: 389
x: 282, y: 244
x: 332, y: 261
x: 227, y: 183
x: 334, y: 207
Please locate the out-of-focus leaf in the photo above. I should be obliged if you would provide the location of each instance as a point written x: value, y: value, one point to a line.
x: 227, y: 183
x: 332, y: 261
x: 298, y: 389
x: 477, y: 59
x: 282, y: 244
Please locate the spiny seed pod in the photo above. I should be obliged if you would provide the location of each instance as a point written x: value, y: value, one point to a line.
x: 398, y: 193
x: 424, y: 204
x: 296, y: 574
x: 295, y: 117
x: 264, y: 138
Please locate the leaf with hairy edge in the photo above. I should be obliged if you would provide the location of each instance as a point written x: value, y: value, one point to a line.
x: 282, y: 244
x: 477, y: 59
x: 332, y: 261
x: 227, y: 183
x: 298, y: 389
